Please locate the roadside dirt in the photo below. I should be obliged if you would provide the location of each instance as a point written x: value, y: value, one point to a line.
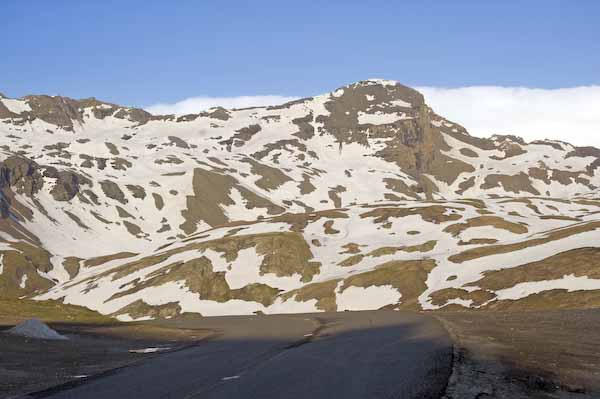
x: 30, y: 365
x: 542, y: 354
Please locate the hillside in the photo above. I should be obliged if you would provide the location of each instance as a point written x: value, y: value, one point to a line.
x: 356, y: 199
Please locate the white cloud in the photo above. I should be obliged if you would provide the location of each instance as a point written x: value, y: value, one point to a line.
x: 194, y: 105
x: 570, y: 114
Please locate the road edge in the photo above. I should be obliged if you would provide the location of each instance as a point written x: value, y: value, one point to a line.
x: 81, y: 381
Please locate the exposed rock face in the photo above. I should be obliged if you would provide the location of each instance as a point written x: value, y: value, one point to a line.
x: 59, y: 111
x: 211, y: 192
x: 113, y: 191
x: 67, y: 185
x: 359, y: 198
x: 21, y: 174
x: 67, y: 114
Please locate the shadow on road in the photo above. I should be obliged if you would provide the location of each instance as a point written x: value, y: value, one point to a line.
x: 379, y: 354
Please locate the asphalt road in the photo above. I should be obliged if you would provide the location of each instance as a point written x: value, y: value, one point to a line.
x: 380, y: 354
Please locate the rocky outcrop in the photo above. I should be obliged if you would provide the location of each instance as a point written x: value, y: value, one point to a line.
x: 67, y: 183
x: 21, y: 175
x: 66, y: 113
x: 25, y: 176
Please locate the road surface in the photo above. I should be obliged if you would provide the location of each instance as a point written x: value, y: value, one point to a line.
x: 378, y: 354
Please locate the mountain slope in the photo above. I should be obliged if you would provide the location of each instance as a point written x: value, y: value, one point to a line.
x: 313, y: 204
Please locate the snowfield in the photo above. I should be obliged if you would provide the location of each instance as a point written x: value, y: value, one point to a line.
x: 362, y: 198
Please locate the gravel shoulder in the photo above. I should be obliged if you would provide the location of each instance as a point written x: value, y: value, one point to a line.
x: 541, y: 354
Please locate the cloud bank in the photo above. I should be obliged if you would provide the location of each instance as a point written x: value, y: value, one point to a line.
x: 194, y: 105
x: 570, y: 114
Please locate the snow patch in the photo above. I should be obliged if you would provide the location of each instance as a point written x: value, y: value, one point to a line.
x: 16, y: 106
x: 378, y: 118
x: 34, y: 328
x: 369, y: 298
x: 568, y: 282
x: 149, y: 350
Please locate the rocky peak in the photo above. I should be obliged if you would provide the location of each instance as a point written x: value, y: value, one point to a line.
x: 56, y: 110
x: 355, y: 109
x: 384, y: 92
x: 374, y: 111
x: 508, y: 138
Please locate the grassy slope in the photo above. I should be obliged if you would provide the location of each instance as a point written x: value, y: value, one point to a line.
x: 48, y: 311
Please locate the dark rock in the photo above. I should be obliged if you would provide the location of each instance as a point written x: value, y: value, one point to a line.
x: 22, y: 174
x: 67, y: 185
x: 112, y: 190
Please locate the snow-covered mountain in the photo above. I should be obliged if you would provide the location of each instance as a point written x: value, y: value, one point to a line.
x: 356, y: 199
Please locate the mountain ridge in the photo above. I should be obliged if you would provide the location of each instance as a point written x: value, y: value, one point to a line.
x: 93, y: 193
x: 181, y: 117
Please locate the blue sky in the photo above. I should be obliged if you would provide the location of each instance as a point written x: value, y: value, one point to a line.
x: 145, y: 52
